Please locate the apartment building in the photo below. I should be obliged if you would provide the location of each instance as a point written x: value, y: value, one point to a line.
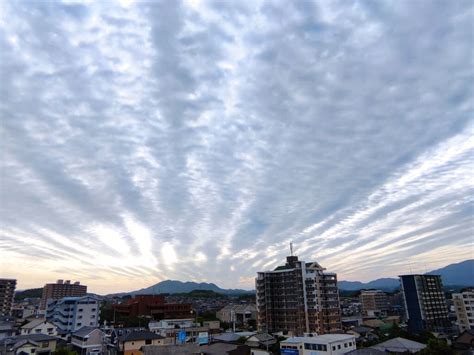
x: 61, y: 289
x: 70, y: 314
x: 298, y: 297
x: 154, y: 306
x: 464, y: 308
x: 7, y: 292
x: 425, y: 304
x: 374, y: 303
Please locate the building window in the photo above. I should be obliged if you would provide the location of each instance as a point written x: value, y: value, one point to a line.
x: 148, y: 341
x: 339, y: 347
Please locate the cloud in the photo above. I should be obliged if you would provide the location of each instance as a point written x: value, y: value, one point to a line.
x: 184, y: 140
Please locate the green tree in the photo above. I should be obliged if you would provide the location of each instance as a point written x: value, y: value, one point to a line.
x: 437, y: 347
x: 64, y: 351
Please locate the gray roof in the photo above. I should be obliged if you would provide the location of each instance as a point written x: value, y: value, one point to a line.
x: 362, y: 329
x: 367, y: 351
x: 219, y: 348
x: 226, y: 337
x: 12, y: 341
x: 84, y: 331
x: 34, y: 323
x: 399, y: 345
x: 140, y: 335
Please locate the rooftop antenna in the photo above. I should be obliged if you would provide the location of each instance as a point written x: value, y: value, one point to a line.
x: 291, y: 248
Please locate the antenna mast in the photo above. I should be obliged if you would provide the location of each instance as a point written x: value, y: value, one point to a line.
x: 291, y: 248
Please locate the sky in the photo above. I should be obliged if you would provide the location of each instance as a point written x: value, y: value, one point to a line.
x: 194, y: 140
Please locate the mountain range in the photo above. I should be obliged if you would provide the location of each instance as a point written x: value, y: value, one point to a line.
x: 459, y: 274
x: 173, y: 286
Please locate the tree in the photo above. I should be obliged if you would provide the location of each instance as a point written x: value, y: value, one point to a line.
x: 64, y: 351
x: 437, y: 347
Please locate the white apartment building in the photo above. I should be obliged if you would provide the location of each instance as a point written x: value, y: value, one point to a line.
x: 70, y: 314
x: 464, y: 308
x: 326, y: 344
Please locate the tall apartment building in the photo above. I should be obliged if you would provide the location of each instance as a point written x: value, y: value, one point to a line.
x: 425, y: 304
x: 298, y: 297
x: 7, y: 291
x: 72, y: 313
x: 374, y: 302
x: 60, y: 289
x: 464, y: 308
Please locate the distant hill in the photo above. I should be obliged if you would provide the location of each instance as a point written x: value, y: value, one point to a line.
x: 31, y: 293
x: 385, y: 284
x: 172, y: 287
x: 459, y: 274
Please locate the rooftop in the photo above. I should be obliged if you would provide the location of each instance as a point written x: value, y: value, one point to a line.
x: 321, y: 339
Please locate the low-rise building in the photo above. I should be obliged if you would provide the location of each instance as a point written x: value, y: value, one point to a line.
x: 154, y: 306
x: 39, y: 326
x: 238, y: 313
x: 131, y: 344
x: 28, y: 344
x: 374, y: 303
x: 464, y: 308
x: 330, y: 344
x: 399, y: 345
x: 7, y: 329
x: 72, y: 313
x: 88, y: 340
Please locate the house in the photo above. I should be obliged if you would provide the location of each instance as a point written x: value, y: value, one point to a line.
x: 88, y: 340
x: 363, y: 334
x: 7, y: 329
x: 224, y: 349
x: 330, y: 344
x: 39, y: 326
x: 132, y: 343
x: 28, y: 344
x: 465, y: 341
x: 366, y: 351
x: 260, y: 340
x: 240, y: 314
x: 399, y: 345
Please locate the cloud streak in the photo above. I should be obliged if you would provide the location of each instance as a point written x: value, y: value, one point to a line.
x: 195, y: 140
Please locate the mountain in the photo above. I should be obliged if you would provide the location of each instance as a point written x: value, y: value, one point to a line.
x: 385, y: 284
x: 172, y: 286
x: 31, y: 293
x: 459, y: 274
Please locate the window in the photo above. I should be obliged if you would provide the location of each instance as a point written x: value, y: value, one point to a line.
x: 78, y: 324
x: 334, y: 348
x: 339, y: 347
x: 32, y: 351
x: 148, y: 341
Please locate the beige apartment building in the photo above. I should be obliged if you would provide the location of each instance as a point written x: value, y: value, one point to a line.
x: 464, y: 308
x: 297, y: 298
x: 61, y: 289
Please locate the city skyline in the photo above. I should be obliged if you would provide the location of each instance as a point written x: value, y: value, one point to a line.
x: 195, y: 140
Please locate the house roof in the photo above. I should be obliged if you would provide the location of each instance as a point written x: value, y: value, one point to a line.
x: 140, y: 335
x: 13, y: 341
x: 362, y: 329
x: 367, y: 351
x: 399, y: 345
x: 84, y: 331
x: 34, y: 323
x: 227, y: 337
